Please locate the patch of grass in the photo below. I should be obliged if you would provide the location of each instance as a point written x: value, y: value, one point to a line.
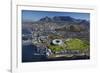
x: 55, y: 48
x: 76, y: 44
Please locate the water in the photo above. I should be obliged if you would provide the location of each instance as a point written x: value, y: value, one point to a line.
x: 28, y: 54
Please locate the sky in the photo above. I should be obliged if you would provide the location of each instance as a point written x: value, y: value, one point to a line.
x: 31, y: 15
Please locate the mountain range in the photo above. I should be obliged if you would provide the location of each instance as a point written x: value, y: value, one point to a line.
x: 61, y: 19
x: 48, y: 23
